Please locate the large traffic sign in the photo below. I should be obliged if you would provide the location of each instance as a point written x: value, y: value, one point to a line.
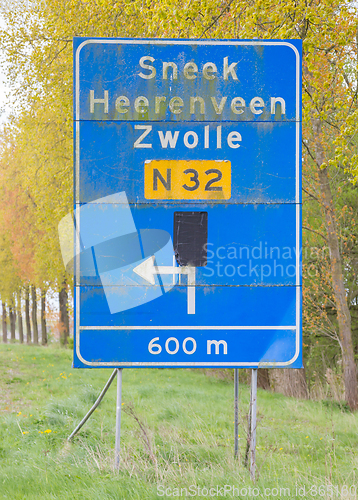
x: 187, y: 203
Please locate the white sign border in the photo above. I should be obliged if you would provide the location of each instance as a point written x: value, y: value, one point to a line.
x: 99, y: 364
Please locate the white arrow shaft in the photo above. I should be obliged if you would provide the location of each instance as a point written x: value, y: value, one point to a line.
x: 191, y: 290
x: 147, y: 269
x: 190, y: 272
x: 171, y: 270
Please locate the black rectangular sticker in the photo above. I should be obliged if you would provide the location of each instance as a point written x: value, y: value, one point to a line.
x: 191, y: 238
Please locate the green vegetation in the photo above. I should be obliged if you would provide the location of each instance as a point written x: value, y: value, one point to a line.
x: 36, y: 160
x: 185, y: 437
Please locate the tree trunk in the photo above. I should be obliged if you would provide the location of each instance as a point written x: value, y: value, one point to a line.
x: 290, y: 382
x: 64, y: 319
x: 19, y: 316
x: 43, y: 318
x: 263, y: 379
x: 4, y: 324
x: 340, y: 296
x: 12, y: 317
x: 27, y: 316
x: 34, y: 315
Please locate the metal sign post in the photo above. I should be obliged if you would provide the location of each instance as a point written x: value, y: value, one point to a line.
x: 118, y: 417
x: 253, y: 425
x: 96, y: 404
x: 236, y: 411
x: 118, y: 372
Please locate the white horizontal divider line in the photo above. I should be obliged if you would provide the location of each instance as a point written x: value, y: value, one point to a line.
x: 259, y: 364
x: 187, y: 327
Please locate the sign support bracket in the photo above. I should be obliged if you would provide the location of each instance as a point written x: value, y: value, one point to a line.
x: 96, y: 404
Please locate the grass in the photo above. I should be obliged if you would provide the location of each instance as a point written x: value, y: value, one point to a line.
x: 177, y: 432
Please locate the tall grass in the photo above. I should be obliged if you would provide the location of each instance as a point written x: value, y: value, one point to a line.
x: 177, y: 432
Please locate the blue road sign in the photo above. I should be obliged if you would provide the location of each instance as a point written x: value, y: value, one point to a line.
x: 187, y: 203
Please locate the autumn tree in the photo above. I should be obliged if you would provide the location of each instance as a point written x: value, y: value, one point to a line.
x: 39, y: 57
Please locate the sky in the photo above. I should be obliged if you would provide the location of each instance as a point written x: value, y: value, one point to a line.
x: 3, y: 89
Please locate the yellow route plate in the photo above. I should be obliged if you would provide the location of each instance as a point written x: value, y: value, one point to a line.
x: 187, y: 180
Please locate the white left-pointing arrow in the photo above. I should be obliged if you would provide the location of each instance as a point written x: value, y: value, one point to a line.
x: 147, y: 269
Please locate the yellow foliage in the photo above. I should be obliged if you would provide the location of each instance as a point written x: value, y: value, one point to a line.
x: 38, y: 48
